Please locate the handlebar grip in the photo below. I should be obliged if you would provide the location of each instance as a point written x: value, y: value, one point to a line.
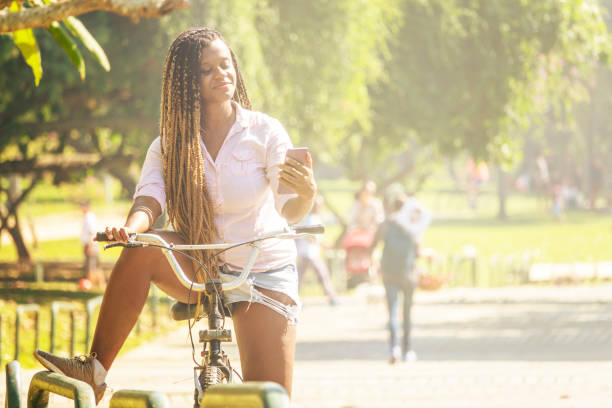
x: 101, y: 237
x: 310, y: 229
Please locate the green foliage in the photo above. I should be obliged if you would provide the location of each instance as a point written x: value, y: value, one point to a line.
x: 324, y: 55
x: 69, y: 46
x: 307, y: 63
x: 79, y: 30
x: 375, y: 88
x: 359, y: 81
x: 110, y: 111
x: 27, y: 44
x: 470, y: 75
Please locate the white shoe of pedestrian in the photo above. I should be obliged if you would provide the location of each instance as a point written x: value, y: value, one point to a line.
x: 410, y: 357
x: 395, y: 355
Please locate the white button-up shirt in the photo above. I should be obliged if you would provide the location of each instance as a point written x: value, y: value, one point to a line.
x: 242, y: 182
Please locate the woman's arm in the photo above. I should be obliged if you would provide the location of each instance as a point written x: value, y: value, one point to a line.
x: 296, y: 208
x: 145, y: 210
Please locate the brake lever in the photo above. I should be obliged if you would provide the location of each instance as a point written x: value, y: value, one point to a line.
x: 294, y: 235
x: 125, y: 245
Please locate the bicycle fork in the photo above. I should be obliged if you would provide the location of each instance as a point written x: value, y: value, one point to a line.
x: 215, y: 366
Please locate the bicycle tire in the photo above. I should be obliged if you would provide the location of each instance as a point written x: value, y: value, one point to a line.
x: 208, y: 377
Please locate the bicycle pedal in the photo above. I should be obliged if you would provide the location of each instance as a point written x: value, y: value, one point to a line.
x: 220, y: 334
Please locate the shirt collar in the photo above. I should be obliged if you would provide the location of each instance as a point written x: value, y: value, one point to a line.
x: 242, y: 115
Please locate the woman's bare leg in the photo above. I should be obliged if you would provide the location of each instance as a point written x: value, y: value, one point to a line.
x: 127, y: 292
x: 266, y: 341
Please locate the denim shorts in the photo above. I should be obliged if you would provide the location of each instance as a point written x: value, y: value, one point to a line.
x: 283, y: 280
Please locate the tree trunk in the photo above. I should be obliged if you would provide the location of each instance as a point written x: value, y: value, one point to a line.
x: 23, y: 254
x: 9, y: 217
x: 501, y: 193
x: 128, y: 184
x: 40, y: 16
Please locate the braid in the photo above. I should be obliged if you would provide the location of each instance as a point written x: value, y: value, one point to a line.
x: 190, y: 208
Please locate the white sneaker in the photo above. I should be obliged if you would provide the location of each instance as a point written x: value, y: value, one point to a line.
x: 410, y: 357
x: 395, y: 355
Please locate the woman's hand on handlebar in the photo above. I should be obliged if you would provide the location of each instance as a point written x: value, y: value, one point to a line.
x: 118, y: 234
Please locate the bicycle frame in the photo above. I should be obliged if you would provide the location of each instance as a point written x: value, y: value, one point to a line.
x: 214, y: 358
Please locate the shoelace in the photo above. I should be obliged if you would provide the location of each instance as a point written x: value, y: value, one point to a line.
x: 82, y: 358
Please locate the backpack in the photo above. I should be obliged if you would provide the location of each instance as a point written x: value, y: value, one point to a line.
x: 399, y: 252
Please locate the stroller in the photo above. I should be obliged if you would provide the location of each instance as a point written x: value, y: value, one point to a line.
x: 357, y: 261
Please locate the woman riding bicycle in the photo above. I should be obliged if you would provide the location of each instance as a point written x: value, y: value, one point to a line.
x: 215, y: 168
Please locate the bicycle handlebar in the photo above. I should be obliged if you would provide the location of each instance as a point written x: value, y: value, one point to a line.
x: 309, y: 229
x: 101, y: 236
x: 141, y: 240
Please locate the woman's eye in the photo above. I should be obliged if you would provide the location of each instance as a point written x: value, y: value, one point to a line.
x: 206, y: 71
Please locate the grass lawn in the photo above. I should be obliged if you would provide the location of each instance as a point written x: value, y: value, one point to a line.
x: 580, y: 237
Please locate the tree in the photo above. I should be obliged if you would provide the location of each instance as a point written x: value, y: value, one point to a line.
x: 19, y: 17
x: 472, y: 75
x: 307, y: 63
x: 66, y: 127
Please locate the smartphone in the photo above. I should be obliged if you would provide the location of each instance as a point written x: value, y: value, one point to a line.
x: 296, y: 153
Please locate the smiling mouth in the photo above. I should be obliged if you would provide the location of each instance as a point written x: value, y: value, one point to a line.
x: 223, y: 85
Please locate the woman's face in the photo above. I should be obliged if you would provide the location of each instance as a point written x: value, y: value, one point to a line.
x: 218, y: 76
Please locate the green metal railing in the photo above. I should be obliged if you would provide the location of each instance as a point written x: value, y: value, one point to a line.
x: 139, y: 399
x: 90, y: 306
x: 56, y: 308
x: 21, y: 309
x: 250, y: 394
x: 45, y: 382
x: 13, y: 385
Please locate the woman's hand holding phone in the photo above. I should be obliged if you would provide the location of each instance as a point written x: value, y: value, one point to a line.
x: 296, y: 174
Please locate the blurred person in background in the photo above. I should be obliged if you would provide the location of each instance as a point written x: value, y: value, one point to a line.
x: 92, y: 270
x: 597, y: 181
x: 367, y: 211
x: 400, y: 232
x: 477, y: 174
x: 309, y: 255
x: 542, y: 179
x: 365, y: 216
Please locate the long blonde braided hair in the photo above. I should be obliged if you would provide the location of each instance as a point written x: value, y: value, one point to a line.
x: 189, y: 205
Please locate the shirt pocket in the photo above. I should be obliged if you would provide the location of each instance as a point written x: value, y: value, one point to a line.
x: 244, y: 161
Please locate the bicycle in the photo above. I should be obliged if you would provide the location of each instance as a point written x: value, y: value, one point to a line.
x: 215, y: 367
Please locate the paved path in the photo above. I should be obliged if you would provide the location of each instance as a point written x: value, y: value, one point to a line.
x: 527, y: 347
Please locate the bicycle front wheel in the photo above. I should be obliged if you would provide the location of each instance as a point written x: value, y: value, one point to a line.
x: 209, y: 376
